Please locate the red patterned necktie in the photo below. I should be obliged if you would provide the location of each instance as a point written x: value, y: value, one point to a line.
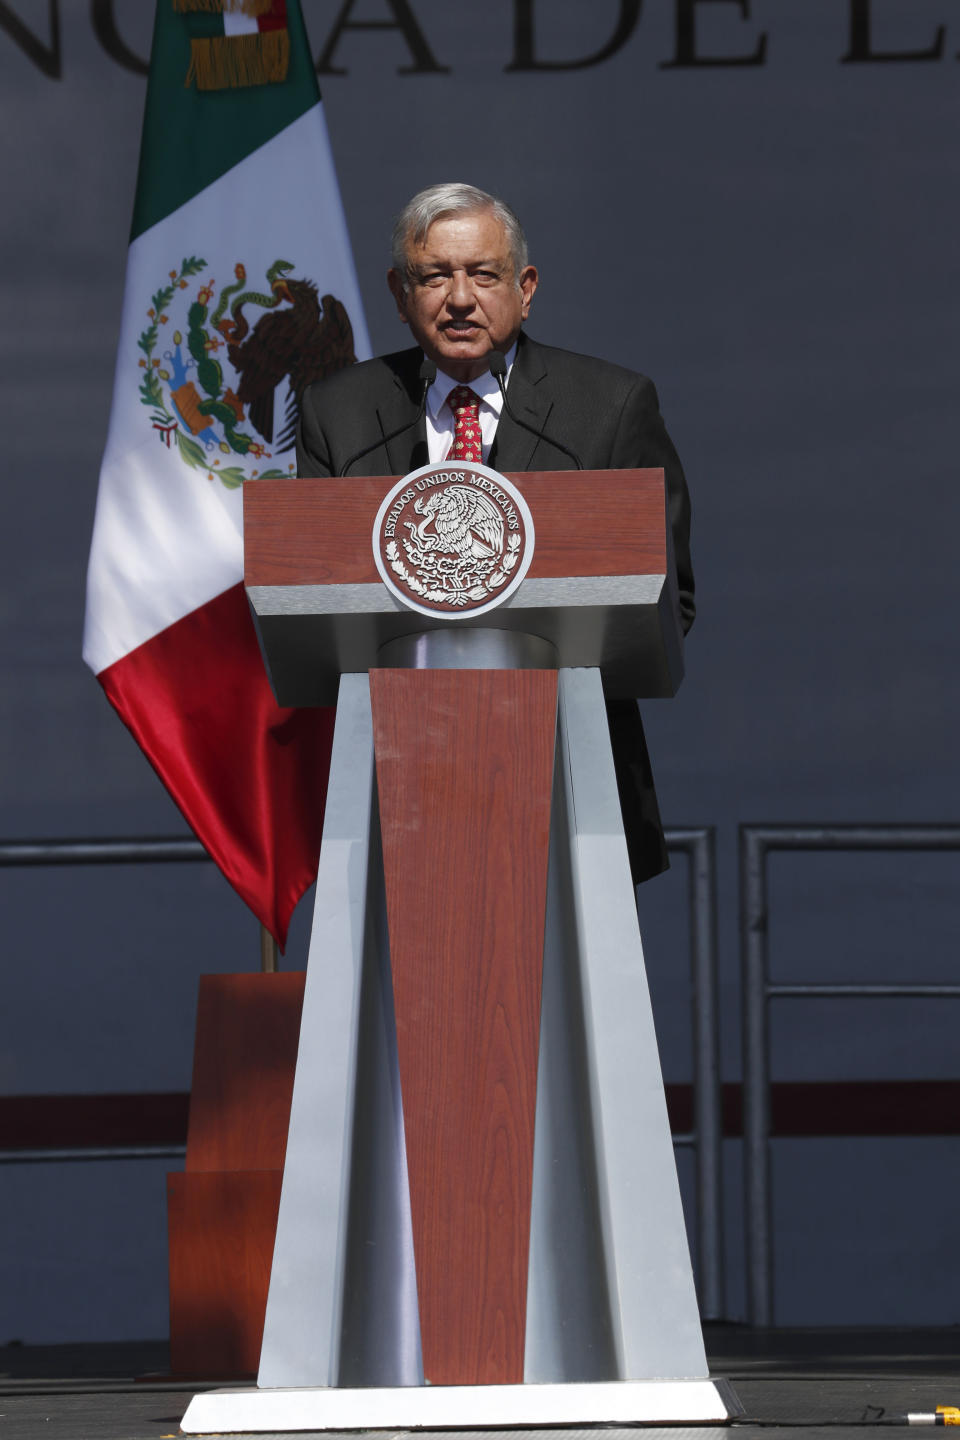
x: 467, y: 439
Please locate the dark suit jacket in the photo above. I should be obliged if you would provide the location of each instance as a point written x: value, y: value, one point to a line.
x: 609, y: 416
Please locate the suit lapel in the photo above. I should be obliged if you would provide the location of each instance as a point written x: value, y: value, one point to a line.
x: 409, y: 450
x: 513, y: 447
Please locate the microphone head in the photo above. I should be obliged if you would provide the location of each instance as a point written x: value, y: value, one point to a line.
x: 498, y: 364
x: 428, y: 371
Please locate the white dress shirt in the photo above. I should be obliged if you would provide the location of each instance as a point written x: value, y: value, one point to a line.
x: 440, y: 416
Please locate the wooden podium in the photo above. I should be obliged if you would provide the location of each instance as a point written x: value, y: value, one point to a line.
x: 480, y: 1221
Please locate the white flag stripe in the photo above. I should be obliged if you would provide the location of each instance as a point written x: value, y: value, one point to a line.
x: 236, y: 23
x: 166, y: 538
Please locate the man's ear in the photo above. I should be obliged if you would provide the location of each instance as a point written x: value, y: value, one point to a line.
x: 527, y: 282
x: 398, y: 292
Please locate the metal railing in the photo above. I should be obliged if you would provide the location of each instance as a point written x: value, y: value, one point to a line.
x: 99, y: 852
x: 705, y: 1137
x: 58, y: 1154
x: 756, y: 842
x: 96, y: 852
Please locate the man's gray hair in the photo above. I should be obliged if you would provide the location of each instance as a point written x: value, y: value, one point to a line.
x: 439, y: 201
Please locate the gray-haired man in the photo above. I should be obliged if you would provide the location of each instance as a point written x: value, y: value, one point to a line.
x: 463, y: 283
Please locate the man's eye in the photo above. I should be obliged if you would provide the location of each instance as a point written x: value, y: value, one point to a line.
x: 486, y: 277
x: 434, y: 278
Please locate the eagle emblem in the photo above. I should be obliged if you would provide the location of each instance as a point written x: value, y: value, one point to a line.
x: 454, y: 541
x: 212, y: 388
x: 465, y: 523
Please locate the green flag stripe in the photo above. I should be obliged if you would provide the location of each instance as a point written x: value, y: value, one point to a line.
x: 191, y: 138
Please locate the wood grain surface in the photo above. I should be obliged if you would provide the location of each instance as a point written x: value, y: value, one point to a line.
x: 245, y: 1053
x: 221, y: 1228
x: 464, y: 770
x: 586, y: 522
x: 222, y: 1213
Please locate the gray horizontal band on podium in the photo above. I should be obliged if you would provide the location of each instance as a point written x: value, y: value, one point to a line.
x: 311, y: 634
x: 590, y: 590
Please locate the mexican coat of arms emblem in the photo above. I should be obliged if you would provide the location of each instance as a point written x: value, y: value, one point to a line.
x: 453, y: 539
x: 211, y: 366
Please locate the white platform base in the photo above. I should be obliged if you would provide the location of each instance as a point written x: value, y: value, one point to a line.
x: 472, y: 1407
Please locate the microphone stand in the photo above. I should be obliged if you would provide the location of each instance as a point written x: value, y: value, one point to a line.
x: 428, y: 373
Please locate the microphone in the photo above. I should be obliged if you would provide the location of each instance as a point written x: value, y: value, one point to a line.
x: 428, y: 373
x: 498, y: 369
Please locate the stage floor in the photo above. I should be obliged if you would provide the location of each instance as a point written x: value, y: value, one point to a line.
x: 828, y: 1384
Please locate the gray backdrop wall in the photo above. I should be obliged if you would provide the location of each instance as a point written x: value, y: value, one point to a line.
x: 756, y: 203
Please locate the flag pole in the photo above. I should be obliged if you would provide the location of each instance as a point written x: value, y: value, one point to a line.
x: 269, y: 952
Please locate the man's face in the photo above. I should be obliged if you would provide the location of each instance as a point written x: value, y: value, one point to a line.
x: 463, y: 298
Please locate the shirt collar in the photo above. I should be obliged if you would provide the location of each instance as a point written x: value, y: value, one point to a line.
x: 484, y: 387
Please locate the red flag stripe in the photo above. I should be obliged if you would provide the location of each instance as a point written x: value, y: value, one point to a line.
x: 248, y: 776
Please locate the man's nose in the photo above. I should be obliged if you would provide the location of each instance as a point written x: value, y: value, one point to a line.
x: 460, y: 294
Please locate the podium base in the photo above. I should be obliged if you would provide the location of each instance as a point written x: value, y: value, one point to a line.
x: 468, y: 1407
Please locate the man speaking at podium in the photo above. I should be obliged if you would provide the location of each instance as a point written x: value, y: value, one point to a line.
x: 476, y: 387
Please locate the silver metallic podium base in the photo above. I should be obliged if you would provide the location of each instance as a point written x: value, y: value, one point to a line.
x: 613, y: 1329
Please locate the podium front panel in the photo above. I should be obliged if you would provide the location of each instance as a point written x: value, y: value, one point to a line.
x: 599, y: 589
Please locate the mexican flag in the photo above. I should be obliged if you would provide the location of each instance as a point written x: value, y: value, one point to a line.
x: 240, y: 290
